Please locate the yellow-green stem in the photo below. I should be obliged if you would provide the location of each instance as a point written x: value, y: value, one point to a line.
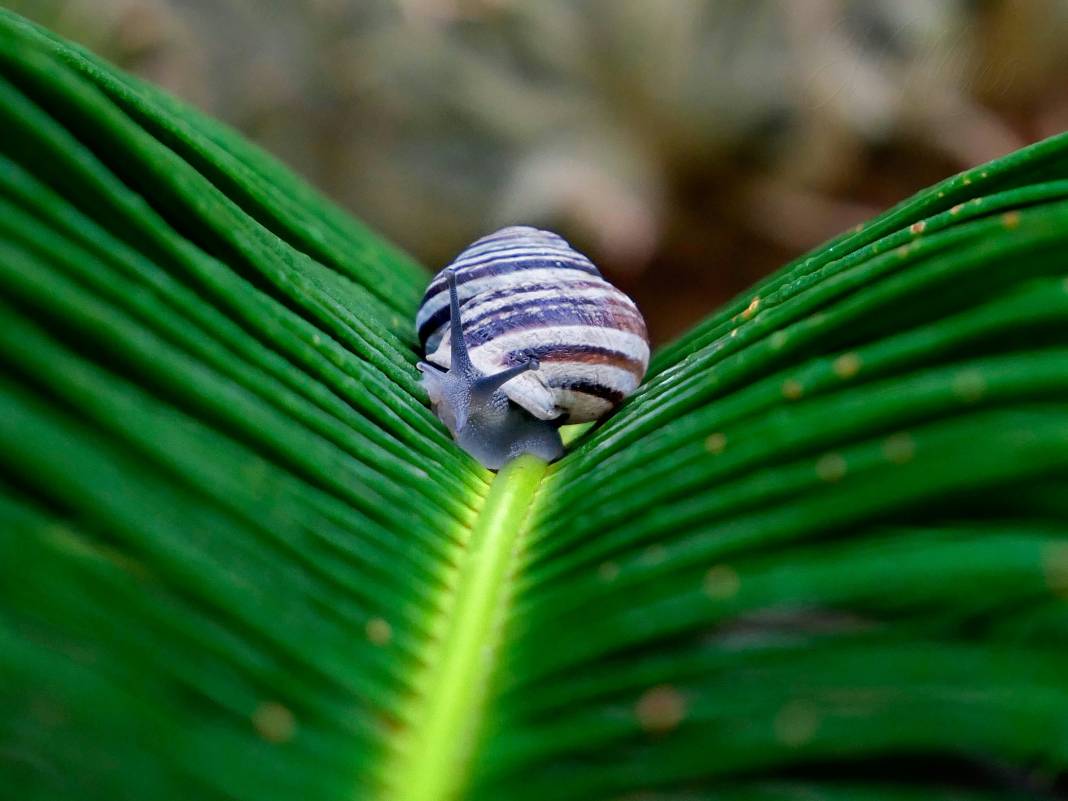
x: 433, y: 762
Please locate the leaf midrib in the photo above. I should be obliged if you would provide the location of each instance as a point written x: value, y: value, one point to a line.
x: 432, y: 758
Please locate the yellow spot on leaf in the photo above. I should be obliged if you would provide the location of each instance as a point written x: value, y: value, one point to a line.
x: 796, y: 723
x: 792, y: 389
x: 274, y: 722
x: 779, y: 338
x: 722, y: 582
x: 379, y: 631
x: 1055, y: 567
x: 847, y: 365
x: 751, y: 309
x: 660, y: 709
x: 1011, y: 219
x: 918, y: 227
x: 654, y: 555
x: 957, y: 209
x: 715, y: 443
x: 608, y: 571
x: 831, y: 467
x: 899, y: 448
x: 969, y: 386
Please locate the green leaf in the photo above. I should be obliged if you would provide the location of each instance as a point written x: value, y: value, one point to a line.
x: 822, y: 553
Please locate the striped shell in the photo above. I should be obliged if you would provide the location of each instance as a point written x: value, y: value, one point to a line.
x: 525, y: 292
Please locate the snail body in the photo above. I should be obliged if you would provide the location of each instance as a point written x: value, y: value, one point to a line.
x: 522, y: 335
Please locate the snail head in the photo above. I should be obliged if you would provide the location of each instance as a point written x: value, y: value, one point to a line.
x: 464, y: 391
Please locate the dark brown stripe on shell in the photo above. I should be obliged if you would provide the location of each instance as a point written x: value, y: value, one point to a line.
x: 506, y: 266
x: 573, y: 283
x: 439, y: 319
x: 585, y: 354
x: 551, y: 307
x: 559, y: 318
x: 613, y: 396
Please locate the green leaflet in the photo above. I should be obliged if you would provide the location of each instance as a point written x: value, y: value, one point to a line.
x: 822, y: 553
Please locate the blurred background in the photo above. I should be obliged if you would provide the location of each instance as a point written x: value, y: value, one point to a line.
x: 688, y: 146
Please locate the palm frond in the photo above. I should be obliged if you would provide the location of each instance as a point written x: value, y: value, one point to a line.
x: 823, y: 553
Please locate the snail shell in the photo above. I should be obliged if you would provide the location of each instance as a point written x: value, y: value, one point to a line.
x: 527, y: 295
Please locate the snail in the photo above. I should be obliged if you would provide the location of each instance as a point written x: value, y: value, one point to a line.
x: 522, y: 335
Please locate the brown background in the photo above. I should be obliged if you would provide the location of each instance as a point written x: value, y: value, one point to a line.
x: 688, y: 147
